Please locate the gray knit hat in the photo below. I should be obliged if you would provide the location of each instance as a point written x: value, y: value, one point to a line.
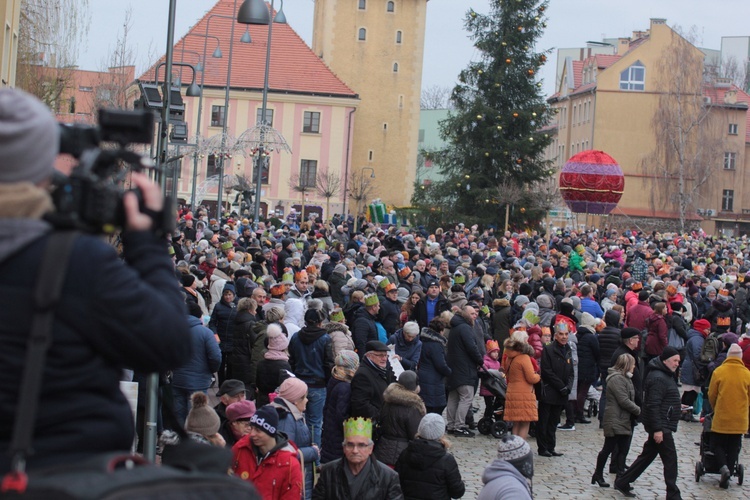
x: 202, y: 419
x: 29, y: 138
x: 517, y: 452
x: 432, y: 427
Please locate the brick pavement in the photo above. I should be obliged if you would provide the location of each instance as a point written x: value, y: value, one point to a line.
x: 569, y: 476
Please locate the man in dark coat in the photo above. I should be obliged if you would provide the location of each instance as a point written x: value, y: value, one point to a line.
x: 364, y: 328
x: 222, y: 324
x: 432, y: 305
x: 112, y: 312
x: 660, y: 415
x: 390, y: 310
x: 370, y: 381
x: 557, y: 382
x: 501, y: 320
x: 588, y: 362
x: 358, y: 474
x: 464, y: 359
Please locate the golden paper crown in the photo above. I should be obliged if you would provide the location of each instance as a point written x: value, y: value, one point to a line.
x: 358, y: 427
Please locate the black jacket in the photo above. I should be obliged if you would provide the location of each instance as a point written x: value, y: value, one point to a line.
x: 337, y: 408
x: 609, y: 340
x: 557, y: 373
x: 428, y: 471
x: 390, y: 315
x: 399, y: 421
x: 662, y: 409
x: 588, y: 355
x: 463, y: 354
x: 222, y: 324
x: 501, y: 320
x: 420, y: 310
x: 269, y: 375
x: 368, y: 386
x: 242, y: 346
x: 111, y: 315
x: 311, y: 356
x: 363, y: 330
x: 382, y: 483
x: 432, y: 368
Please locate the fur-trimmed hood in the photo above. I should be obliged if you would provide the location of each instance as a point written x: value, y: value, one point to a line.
x: 517, y: 346
x: 337, y: 327
x: 396, y: 394
x: 498, y: 303
x: 431, y: 335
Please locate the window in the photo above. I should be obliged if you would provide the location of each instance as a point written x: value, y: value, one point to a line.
x: 362, y: 4
x: 217, y: 116
x: 398, y: 37
x: 727, y: 200
x: 421, y: 135
x: 308, y: 172
x: 733, y: 129
x: 370, y: 155
x: 212, y: 166
x: 390, y: 6
x: 362, y: 34
x: 311, y: 123
x: 730, y: 160
x: 395, y: 67
x: 634, y: 77
x: 259, y: 117
x: 82, y: 88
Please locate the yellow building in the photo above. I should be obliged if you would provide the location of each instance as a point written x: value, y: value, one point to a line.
x: 376, y: 47
x: 622, y: 104
x: 10, y: 13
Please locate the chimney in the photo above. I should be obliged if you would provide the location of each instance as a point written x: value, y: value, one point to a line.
x: 623, y: 45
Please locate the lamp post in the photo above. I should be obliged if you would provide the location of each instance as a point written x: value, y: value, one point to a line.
x: 226, y: 112
x: 257, y: 12
x: 217, y: 54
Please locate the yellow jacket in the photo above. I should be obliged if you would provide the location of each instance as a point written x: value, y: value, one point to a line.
x: 729, y: 395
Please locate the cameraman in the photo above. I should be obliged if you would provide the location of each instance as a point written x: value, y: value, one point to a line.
x: 111, y: 314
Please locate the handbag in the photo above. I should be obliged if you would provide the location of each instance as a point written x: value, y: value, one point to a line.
x: 199, y: 471
x: 674, y: 339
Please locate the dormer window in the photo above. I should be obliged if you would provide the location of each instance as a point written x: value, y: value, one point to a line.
x: 634, y: 77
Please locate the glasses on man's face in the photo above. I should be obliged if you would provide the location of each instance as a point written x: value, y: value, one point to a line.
x: 379, y: 354
x: 358, y: 446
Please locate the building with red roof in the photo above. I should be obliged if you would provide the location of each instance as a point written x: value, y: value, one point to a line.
x: 625, y: 104
x: 307, y: 104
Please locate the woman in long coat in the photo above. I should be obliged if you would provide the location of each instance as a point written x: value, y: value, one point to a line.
x: 521, y: 374
x: 617, y: 422
x: 433, y: 368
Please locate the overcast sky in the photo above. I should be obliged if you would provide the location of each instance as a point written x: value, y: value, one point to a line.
x: 447, y: 47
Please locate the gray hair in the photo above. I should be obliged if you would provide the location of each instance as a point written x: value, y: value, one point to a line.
x: 275, y: 315
x: 411, y: 328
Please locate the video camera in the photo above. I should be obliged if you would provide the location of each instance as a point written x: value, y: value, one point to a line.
x: 90, y: 198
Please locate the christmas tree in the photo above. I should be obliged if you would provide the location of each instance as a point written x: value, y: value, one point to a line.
x: 495, y: 139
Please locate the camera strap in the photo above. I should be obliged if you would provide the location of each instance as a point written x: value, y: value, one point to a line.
x: 47, y: 291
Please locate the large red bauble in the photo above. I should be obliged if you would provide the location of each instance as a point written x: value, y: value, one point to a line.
x: 592, y: 182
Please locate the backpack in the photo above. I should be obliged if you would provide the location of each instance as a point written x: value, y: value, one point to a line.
x: 710, y: 349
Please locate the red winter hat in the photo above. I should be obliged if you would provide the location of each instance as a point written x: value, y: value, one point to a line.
x: 702, y: 325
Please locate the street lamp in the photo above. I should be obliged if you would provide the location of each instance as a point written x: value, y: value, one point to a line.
x: 372, y: 172
x: 217, y: 54
x: 257, y: 12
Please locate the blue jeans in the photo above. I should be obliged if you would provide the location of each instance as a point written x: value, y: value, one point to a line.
x: 181, y: 402
x: 316, y: 399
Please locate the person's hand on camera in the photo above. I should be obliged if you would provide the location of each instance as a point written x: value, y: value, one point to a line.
x: 152, y: 200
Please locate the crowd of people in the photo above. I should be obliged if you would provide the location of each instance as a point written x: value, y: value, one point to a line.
x: 606, y: 318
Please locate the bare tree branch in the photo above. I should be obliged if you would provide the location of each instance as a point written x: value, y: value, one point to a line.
x: 361, y: 188
x: 435, y: 97
x: 328, y: 185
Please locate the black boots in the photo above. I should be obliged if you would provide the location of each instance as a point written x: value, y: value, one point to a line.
x: 598, y: 478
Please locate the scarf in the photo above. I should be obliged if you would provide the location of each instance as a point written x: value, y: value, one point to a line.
x: 276, y: 355
x: 381, y: 371
x: 24, y: 200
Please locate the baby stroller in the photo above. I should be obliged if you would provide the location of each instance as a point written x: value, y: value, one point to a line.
x: 707, y: 463
x: 495, y: 382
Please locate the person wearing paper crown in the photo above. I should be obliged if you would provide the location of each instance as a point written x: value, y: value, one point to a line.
x: 358, y: 474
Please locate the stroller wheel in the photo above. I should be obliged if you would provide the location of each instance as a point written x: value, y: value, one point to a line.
x: 484, y: 425
x: 499, y: 429
x: 740, y: 474
x: 698, y: 472
x: 596, y: 408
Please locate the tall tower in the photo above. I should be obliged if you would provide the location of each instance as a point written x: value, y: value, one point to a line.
x: 376, y: 47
